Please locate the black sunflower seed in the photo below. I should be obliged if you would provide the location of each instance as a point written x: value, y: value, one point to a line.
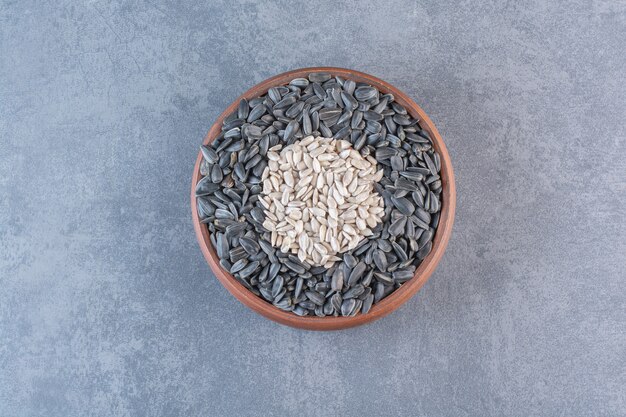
x: 402, y: 120
x: 295, y: 109
x: 384, y: 245
x: 383, y: 278
x: 354, y: 291
x: 209, y: 154
x: 221, y: 213
x: 372, y: 115
x: 249, y: 245
x: 365, y: 93
x: 291, y: 129
x: 342, y: 133
x: 295, y: 267
x: 373, y: 127
x: 285, y: 102
x: 325, y: 131
x: 315, y: 297
x: 216, y: 174
x: 337, y: 280
x: 367, y: 304
x: 430, y: 164
x: 423, y: 252
x: 380, y: 260
x: 277, y: 285
x: 347, y: 306
x: 206, y: 187
x: 307, y: 127
x: 206, y: 206
x: 299, y: 82
x: 256, y: 113
x: 329, y: 113
x: 402, y: 275
x: 356, y: 273
x: 411, y: 175
x: 349, y: 101
x: 397, y: 226
x: 403, y: 205
x: 424, y: 238
x: 273, y: 272
x: 319, y: 77
x: 238, y: 266
x: 397, y: 163
x: 385, y: 153
x: 399, y: 251
x: 221, y: 245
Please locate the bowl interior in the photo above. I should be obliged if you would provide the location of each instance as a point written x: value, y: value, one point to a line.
x: 396, y: 298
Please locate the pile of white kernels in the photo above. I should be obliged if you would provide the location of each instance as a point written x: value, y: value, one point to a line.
x: 318, y: 198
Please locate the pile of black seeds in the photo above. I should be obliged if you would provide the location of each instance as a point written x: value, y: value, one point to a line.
x: 321, y: 105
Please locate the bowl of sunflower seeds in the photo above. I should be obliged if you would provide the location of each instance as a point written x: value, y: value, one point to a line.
x: 323, y: 198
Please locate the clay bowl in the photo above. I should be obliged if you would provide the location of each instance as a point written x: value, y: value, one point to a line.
x: 395, y: 299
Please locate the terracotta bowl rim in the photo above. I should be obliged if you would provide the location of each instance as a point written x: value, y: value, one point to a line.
x: 396, y: 298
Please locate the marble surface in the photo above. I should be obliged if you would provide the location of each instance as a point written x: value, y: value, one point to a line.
x: 108, y: 308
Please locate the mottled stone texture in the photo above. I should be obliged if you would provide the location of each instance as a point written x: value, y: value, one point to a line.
x: 107, y: 306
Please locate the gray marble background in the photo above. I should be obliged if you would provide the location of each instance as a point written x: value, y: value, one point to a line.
x: 108, y: 308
